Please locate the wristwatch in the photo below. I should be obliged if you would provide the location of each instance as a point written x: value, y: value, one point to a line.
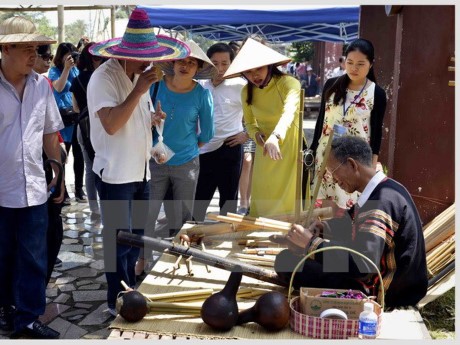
x: 277, y: 135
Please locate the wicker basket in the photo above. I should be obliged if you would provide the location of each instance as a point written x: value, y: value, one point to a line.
x: 316, y: 327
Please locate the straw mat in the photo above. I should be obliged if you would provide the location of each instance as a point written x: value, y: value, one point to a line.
x: 163, y: 279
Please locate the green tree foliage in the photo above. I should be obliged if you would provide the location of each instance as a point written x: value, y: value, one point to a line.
x: 302, y: 51
x: 75, y: 30
x: 40, y: 20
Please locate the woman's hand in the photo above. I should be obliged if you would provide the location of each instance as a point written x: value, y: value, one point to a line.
x: 69, y: 62
x: 237, y: 139
x: 260, y: 138
x: 272, y: 148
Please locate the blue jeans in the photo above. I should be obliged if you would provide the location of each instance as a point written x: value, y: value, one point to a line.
x: 124, y: 207
x: 23, y: 261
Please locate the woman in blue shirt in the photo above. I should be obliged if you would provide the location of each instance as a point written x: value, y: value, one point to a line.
x: 187, y: 126
x: 61, y: 75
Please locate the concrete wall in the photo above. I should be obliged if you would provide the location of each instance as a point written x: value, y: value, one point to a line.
x: 413, y: 51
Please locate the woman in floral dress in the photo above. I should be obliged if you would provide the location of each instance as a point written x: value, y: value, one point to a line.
x: 355, y: 101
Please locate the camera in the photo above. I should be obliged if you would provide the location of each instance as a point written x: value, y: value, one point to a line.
x: 75, y: 56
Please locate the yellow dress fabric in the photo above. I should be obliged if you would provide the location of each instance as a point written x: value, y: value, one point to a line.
x: 274, y: 108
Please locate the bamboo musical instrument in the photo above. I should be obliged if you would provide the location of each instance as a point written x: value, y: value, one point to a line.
x: 298, y: 185
x: 269, y: 276
x: 337, y: 131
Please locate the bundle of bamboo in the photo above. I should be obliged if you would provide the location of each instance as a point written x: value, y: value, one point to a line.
x: 440, y: 256
x: 234, y: 223
x: 439, y: 237
x: 440, y: 228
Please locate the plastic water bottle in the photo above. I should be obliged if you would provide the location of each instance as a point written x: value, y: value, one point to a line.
x: 367, y: 322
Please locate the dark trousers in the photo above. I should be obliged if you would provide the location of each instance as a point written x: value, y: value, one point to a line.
x: 23, y: 261
x: 78, y: 162
x: 124, y: 207
x: 218, y: 169
x: 53, y: 236
x: 312, y: 273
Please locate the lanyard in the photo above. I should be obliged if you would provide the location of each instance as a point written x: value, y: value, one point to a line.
x: 345, y: 111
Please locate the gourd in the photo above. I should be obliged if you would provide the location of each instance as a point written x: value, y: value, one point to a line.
x: 271, y: 311
x: 132, y: 306
x: 220, y: 310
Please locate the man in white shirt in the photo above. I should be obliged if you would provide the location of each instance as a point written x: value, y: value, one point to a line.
x: 221, y: 158
x: 29, y: 122
x: 339, y: 70
x: 121, y: 133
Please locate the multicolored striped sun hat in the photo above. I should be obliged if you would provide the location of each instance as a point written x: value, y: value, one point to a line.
x: 139, y: 43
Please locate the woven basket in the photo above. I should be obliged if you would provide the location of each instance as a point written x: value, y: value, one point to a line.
x: 316, y: 327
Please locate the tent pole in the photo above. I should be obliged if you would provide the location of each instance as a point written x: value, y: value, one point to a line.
x: 61, y: 27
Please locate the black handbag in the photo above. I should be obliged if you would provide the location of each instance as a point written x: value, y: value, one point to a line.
x: 69, y: 117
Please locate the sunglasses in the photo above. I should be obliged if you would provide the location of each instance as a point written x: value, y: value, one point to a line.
x: 46, y: 57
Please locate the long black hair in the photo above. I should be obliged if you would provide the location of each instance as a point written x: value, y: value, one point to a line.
x: 273, y: 70
x: 63, y: 49
x: 340, y: 85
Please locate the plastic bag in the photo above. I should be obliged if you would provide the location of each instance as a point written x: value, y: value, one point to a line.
x: 161, y: 153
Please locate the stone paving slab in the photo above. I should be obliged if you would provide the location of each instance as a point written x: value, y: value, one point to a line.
x: 100, y: 315
x: 68, y: 330
x: 71, y: 247
x: 71, y: 260
x: 75, y: 312
x: 64, y: 280
x: 83, y: 305
x: 62, y: 298
x: 52, y: 310
x: 89, y: 296
x: 67, y: 287
x: 84, y: 272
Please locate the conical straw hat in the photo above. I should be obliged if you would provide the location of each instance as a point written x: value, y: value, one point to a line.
x: 253, y: 55
x: 20, y: 30
x: 208, y: 71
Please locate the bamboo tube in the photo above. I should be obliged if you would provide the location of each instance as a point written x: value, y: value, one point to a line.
x: 173, y: 306
x: 221, y: 228
x: 253, y: 257
x: 322, y: 212
x: 264, y: 251
x: 261, y: 219
x: 257, y: 224
x: 179, y: 294
x: 322, y: 169
x: 258, y: 263
x: 298, y: 185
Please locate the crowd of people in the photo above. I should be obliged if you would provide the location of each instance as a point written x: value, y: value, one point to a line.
x: 158, y: 121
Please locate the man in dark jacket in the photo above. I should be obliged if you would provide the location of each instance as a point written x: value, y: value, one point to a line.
x: 384, y: 225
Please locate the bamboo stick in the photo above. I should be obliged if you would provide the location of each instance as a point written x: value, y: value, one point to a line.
x: 257, y: 224
x: 319, y: 178
x: 258, y: 263
x: 298, y: 185
x: 178, y: 294
x: 261, y: 219
x: 264, y: 251
x: 253, y: 257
